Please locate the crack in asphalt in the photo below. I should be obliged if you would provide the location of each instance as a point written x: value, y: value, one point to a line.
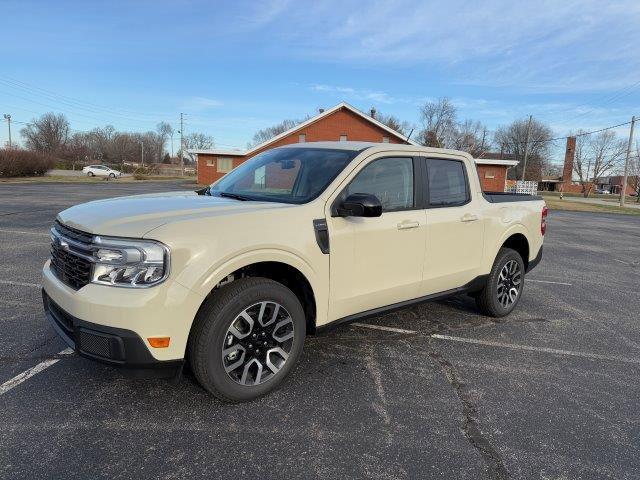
x: 470, y: 426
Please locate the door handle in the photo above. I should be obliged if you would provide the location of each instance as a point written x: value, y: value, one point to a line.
x: 468, y: 217
x: 407, y: 225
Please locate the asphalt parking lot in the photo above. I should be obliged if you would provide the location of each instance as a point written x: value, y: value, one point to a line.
x: 550, y: 392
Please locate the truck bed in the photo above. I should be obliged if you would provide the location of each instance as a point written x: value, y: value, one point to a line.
x: 504, y: 197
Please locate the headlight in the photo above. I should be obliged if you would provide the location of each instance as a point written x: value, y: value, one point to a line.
x: 129, y: 263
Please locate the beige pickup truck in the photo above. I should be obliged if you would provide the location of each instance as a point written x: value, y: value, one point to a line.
x: 231, y: 278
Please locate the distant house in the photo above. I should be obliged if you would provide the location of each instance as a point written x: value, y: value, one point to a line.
x: 339, y: 123
x: 613, y: 184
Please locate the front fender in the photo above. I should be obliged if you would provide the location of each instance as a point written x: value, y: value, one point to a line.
x: 203, y: 283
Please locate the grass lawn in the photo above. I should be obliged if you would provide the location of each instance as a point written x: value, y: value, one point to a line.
x: 554, y: 203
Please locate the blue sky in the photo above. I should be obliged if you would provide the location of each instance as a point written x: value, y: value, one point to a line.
x: 235, y: 67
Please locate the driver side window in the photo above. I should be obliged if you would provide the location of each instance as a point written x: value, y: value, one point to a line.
x: 389, y: 179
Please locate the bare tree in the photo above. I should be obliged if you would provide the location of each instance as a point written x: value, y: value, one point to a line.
x: 596, y: 156
x: 394, y: 123
x: 438, y: 123
x: 634, y: 172
x: 49, y: 133
x: 268, y: 133
x: 513, y: 139
x: 471, y: 137
x: 165, y: 131
x: 197, y: 141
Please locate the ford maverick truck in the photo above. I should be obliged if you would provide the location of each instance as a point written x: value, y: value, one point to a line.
x: 231, y: 278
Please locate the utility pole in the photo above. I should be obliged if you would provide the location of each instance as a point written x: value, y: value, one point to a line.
x: 181, y: 144
x: 7, y: 117
x: 625, y: 179
x: 526, y: 147
x: 142, y: 151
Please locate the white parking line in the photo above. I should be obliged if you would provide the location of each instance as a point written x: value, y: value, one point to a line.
x: 21, y: 232
x: 27, y: 374
x: 621, y: 261
x: 20, y: 284
x: 546, y: 281
x: 379, y: 327
x: 595, y: 356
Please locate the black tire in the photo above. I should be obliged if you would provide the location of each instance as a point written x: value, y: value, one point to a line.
x: 112, y: 175
x: 211, y: 330
x: 90, y: 174
x: 488, y: 299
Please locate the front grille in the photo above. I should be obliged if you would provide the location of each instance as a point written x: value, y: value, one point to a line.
x: 70, y: 267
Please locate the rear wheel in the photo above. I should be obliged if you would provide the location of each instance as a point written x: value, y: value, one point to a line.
x: 246, y: 339
x: 504, y: 286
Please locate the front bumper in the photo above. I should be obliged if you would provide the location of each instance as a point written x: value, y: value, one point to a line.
x: 121, y: 320
x: 113, y: 346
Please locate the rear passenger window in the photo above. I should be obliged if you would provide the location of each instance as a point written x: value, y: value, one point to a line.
x: 447, y: 183
x: 389, y: 179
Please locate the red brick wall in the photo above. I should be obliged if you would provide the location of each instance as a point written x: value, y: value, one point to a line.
x: 329, y: 128
x: 209, y: 174
x: 495, y: 184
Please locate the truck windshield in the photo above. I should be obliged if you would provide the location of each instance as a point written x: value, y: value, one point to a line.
x: 288, y: 175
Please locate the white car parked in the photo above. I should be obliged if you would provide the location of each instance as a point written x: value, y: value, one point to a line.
x: 101, y: 171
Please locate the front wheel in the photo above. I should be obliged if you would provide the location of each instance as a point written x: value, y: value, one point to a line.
x: 246, y: 339
x: 504, y: 286
x: 112, y: 175
x: 90, y: 174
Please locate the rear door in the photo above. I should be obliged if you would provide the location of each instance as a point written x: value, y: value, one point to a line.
x: 378, y: 261
x: 455, y: 227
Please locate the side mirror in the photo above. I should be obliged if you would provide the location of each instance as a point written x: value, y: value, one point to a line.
x: 360, y: 205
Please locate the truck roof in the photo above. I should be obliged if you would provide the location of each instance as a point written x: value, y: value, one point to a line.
x: 360, y: 146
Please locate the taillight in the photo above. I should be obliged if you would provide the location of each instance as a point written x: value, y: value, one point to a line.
x: 543, y: 220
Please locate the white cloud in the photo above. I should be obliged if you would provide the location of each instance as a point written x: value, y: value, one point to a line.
x: 350, y: 93
x: 536, y: 46
x: 199, y: 104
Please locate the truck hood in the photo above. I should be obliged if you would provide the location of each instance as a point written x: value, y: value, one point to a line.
x: 136, y: 215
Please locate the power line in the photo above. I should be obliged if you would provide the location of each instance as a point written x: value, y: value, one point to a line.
x: 88, y: 106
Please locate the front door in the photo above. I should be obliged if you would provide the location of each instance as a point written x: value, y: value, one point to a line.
x: 378, y: 261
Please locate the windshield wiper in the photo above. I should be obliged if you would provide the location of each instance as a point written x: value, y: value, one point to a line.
x: 235, y: 196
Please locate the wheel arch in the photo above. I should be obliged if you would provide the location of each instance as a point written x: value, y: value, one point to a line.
x: 518, y: 241
x: 286, y: 269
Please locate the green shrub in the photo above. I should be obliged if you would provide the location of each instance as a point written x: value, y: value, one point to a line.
x: 24, y: 163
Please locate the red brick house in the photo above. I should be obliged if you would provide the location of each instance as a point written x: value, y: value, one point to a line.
x: 493, y: 173
x: 339, y: 123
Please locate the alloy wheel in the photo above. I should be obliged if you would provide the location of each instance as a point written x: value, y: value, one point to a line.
x: 258, y: 343
x: 509, y: 283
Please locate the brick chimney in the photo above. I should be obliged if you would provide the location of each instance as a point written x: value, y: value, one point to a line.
x: 569, y: 156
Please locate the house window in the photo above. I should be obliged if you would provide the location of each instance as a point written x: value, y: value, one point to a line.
x: 302, y: 138
x: 210, y: 162
x: 343, y: 138
x: 225, y: 165
x: 489, y: 174
x: 385, y: 139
